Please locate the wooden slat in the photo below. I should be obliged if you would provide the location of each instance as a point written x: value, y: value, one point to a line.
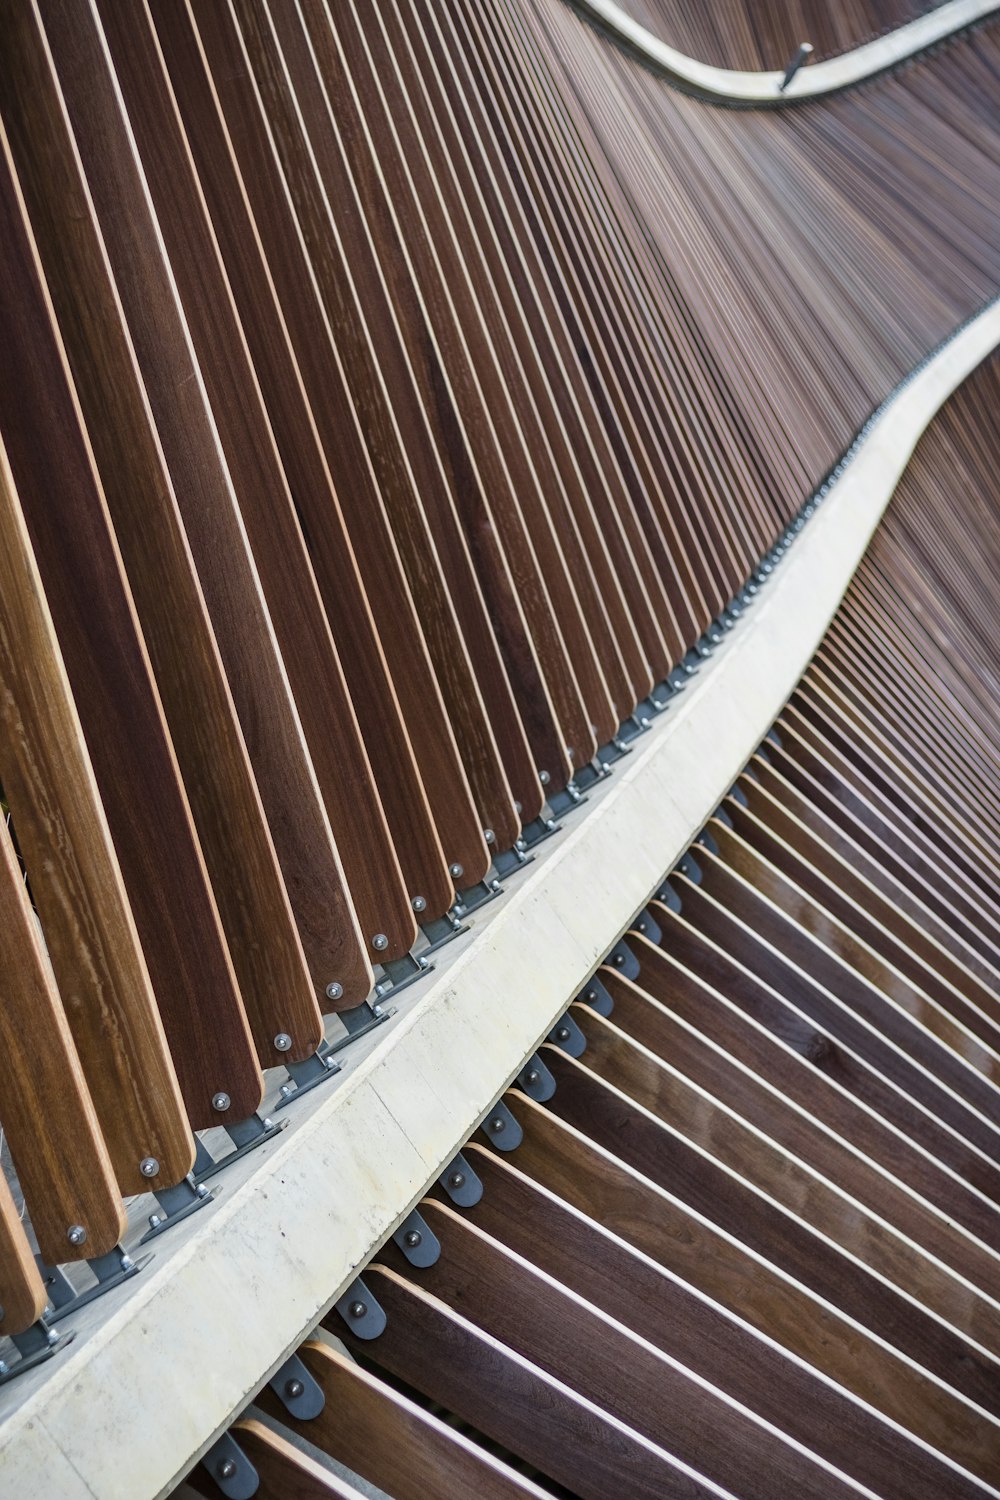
x: 76, y: 881
x: 285, y: 1472
x: 110, y: 675
x: 23, y: 1297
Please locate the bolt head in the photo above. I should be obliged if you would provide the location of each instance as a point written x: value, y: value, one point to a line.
x: 76, y: 1234
x: 294, y: 1388
x: 149, y: 1166
x: 456, y: 871
x: 562, y: 1034
x: 412, y: 1238
x: 620, y: 959
x: 489, y: 835
x: 155, y: 1220
x: 497, y: 1125
x: 419, y: 903
x: 380, y: 942
x: 283, y: 1042
x: 357, y: 1309
x: 456, y: 1179
x: 544, y: 777
x: 334, y: 991
x: 226, y: 1469
x: 532, y: 1075
x: 221, y: 1102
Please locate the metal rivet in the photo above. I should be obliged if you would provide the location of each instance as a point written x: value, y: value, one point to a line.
x: 380, y: 942
x: 456, y: 1179
x: 591, y: 995
x: 544, y: 777
x: 294, y: 1389
x: 149, y: 1166
x: 562, y: 1034
x: 456, y: 871
x: 532, y: 1075
x: 419, y: 903
x: 357, y: 1309
x: 76, y: 1234
x: 497, y: 1125
x: 334, y: 991
x: 226, y: 1469
x: 620, y: 958
x: 221, y: 1102
x: 489, y: 835
x: 640, y: 927
x: 283, y: 1042
x: 412, y: 1238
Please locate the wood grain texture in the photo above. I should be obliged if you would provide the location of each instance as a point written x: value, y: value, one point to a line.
x: 23, y: 1298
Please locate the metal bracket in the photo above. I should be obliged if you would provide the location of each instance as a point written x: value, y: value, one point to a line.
x: 110, y: 1270
x: 722, y: 815
x: 707, y: 841
x: 669, y: 898
x: 616, y: 749
x: 512, y: 861
x: 358, y: 1021
x: 567, y: 800
x: 536, y: 1081
x: 537, y: 831
x: 400, y: 972
x: 588, y: 775
x: 647, y: 926
x: 624, y: 960
x: 501, y: 1129
x: 461, y: 1183
x: 359, y: 1310
x: 596, y: 996
x: 231, y: 1469
x: 34, y: 1345
x: 441, y: 930
x: 567, y: 1036
x: 475, y: 896
x: 177, y: 1203
x: 418, y: 1241
x: 246, y: 1135
x: 297, y: 1390
x: 311, y: 1071
x: 738, y: 795
x: 689, y: 866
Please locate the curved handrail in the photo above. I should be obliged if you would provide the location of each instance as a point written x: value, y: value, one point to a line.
x: 735, y: 86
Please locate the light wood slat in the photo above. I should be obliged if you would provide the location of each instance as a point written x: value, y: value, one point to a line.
x: 598, y: 1266
x: 595, y: 1180
x: 47, y: 1114
x: 694, y: 1026
x: 839, y: 938
x: 624, y: 1373
x: 501, y: 1393
x: 866, y: 1019
x: 311, y: 863
x: 727, y: 954
x: 23, y: 1297
x: 76, y: 881
x: 186, y: 557
x: 795, y: 1167
x: 238, y: 850
x: 112, y: 683
x: 740, y: 1208
x: 390, y: 1441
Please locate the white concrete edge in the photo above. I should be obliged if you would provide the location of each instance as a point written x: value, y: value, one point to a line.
x: 158, y: 1372
x: 730, y: 85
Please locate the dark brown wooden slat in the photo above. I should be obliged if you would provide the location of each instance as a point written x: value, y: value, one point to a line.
x: 638, y: 1294
x: 391, y: 1441
x: 693, y: 1026
x: 285, y: 1472
x: 109, y: 672
x: 607, y: 1189
x: 264, y: 945
x: 76, y: 882
x: 619, y: 1371
x: 730, y: 1201
x: 728, y: 955
x: 23, y: 1298
x: 48, y: 1117
x: 440, y: 1352
x: 786, y: 1161
x: 311, y: 863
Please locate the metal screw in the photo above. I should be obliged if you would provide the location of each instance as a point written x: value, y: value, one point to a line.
x: 221, y: 1102
x: 640, y: 927
x: 419, y: 903
x: 226, y: 1469
x: 591, y: 995
x: 497, y: 1125
x: 620, y: 958
x: 544, y: 777
x: 489, y: 835
x: 456, y: 1179
x: 286, y: 1091
x: 380, y: 942
x: 412, y: 1238
x: 155, y: 1220
x: 532, y: 1075
x: 76, y: 1234
x: 149, y: 1166
x: 562, y: 1034
x: 294, y: 1389
x: 283, y: 1042
x: 334, y: 991
x: 357, y: 1309
x: 456, y: 871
